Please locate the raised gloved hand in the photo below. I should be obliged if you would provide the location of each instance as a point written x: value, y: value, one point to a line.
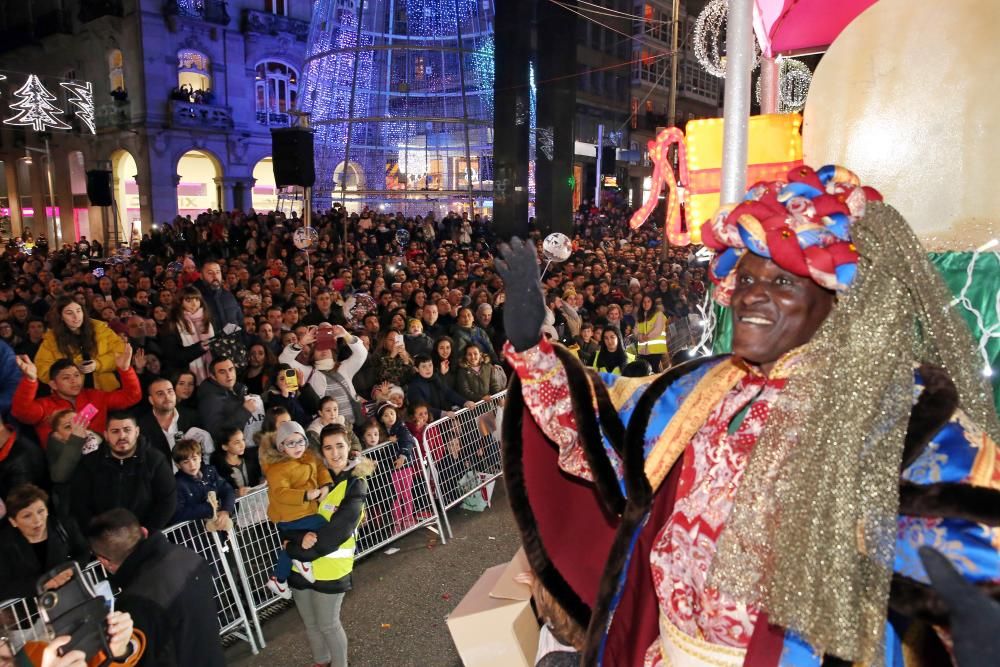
x: 524, y: 309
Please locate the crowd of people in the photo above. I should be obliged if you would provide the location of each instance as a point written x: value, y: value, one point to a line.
x: 214, y: 355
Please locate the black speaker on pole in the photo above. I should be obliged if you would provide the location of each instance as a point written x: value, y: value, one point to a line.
x: 99, y: 187
x: 292, y: 157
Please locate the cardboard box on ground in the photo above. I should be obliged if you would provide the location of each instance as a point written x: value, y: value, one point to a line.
x: 494, y: 625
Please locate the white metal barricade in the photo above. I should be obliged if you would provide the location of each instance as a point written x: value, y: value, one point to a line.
x: 213, y: 546
x: 399, y: 501
x: 463, y: 452
x: 20, y: 622
x: 256, y: 542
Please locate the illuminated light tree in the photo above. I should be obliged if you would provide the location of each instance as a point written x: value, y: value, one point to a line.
x: 400, y: 96
x: 35, y: 108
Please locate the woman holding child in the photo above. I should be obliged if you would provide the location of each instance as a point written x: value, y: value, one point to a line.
x: 330, y: 548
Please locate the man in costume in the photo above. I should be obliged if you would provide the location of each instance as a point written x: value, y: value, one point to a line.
x: 759, y: 509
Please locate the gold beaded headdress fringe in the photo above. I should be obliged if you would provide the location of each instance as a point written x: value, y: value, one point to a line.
x: 812, y: 533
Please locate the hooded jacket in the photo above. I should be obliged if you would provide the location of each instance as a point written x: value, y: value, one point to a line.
x: 288, y: 480
x: 168, y: 591
x: 340, y: 528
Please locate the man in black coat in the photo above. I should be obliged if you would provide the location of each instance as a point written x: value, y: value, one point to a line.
x: 166, y: 588
x: 225, y: 308
x: 222, y: 401
x: 125, y: 471
x: 162, y: 426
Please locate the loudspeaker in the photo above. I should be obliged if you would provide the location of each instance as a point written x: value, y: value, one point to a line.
x: 99, y: 187
x: 292, y: 157
x: 608, y: 156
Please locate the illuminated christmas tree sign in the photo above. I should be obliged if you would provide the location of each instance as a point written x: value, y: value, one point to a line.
x: 35, y: 105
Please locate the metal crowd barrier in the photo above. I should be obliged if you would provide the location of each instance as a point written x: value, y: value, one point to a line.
x: 399, y: 502
x: 458, y: 456
x: 20, y: 622
x: 463, y: 452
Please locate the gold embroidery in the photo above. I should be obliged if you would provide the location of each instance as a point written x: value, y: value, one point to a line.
x: 691, y: 416
x: 624, y: 388
x: 686, y: 648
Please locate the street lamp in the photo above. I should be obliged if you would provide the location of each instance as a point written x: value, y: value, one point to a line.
x: 53, y: 221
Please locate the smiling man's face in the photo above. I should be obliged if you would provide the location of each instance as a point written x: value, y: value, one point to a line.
x: 774, y: 311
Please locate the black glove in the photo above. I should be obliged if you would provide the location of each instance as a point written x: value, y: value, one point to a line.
x: 975, y: 618
x: 524, y: 308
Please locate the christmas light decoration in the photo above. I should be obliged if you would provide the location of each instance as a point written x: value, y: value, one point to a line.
x: 34, y: 107
x: 709, y: 36
x: 82, y: 97
x: 400, y: 95
x: 664, y: 178
x: 794, y: 78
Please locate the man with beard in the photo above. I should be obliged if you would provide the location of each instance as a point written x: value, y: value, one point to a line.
x: 224, y: 306
x: 125, y: 471
x: 767, y: 507
x: 163, y: 426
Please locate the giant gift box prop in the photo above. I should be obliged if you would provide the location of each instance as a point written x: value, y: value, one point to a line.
x: 775, y: 147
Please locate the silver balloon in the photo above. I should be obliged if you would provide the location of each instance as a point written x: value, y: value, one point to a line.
x: 305, y: 238
x: 402, y: 237
x: 557, y: 247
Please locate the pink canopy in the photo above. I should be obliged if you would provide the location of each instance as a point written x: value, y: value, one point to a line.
x: 784, y: 26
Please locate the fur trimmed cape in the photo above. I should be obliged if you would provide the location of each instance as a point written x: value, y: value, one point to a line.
x: 579, y: 536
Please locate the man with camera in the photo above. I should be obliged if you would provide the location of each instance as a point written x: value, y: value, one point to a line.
x: 165, y: 587
x: 222, y: 401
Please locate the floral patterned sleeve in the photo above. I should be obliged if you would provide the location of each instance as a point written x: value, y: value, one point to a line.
x: 545, y: 387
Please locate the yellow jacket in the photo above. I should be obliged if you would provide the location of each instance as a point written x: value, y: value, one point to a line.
x: 109, y: 345
x: 288, y: 480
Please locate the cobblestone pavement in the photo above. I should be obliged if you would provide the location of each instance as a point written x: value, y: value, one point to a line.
x: 396, y: 613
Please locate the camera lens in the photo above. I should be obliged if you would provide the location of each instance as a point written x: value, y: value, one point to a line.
x: 48, y: 600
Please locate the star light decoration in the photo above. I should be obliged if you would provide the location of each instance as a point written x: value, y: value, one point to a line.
x: 709, y: 35
x: 82, y: 97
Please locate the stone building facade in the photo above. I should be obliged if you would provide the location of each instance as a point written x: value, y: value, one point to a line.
x: 185, y: 94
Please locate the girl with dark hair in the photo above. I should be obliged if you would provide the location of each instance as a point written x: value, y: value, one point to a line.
x: 611, y: 357
x: 189, y: 330
x: 445, y: 360
x: 91, y: 344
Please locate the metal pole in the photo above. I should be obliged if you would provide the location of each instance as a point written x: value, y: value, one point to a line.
x: 769, y: 82
x: 465, y: 112
x: 675, y: 29
x: 736, y: 115
x: 350, y: 108
x: 56, y: 232
x: 600, y: 145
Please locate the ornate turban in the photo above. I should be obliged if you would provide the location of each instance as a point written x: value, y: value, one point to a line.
x: 802, y: 225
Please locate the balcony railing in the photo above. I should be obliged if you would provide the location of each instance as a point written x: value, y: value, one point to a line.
x: 274, y: 119
x: 271, y: 24
x: 202, y: 116
x: 212, y: 11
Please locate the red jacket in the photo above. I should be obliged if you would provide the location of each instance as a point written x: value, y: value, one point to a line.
x: 30, y: 410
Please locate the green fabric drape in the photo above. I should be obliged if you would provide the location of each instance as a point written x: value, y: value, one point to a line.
x: 953, y: 267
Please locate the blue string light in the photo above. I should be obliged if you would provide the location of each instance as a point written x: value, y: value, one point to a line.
x: 407, y: 126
